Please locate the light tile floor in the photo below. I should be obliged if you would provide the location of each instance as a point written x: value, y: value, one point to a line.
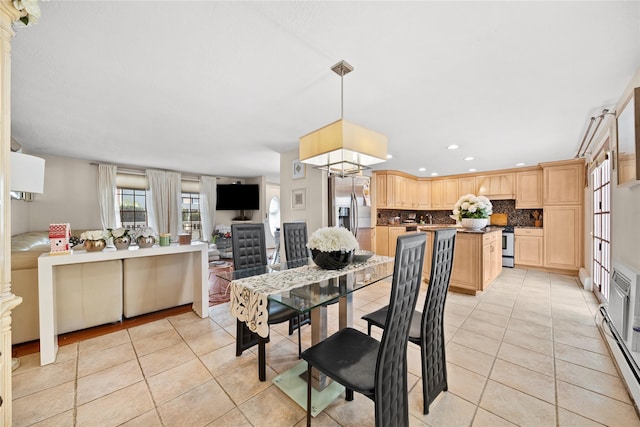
x: 525, y: 352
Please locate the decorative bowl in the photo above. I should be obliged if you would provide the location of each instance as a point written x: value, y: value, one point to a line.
x: 94, y: 245
x: 362, y: 256
x: 146, y: 242
x: 334, y: 260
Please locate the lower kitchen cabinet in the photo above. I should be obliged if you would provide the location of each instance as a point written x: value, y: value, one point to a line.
x: 477, y: 261
x: 382, y: 240
x: 563, y: 237
x: 529, y: 247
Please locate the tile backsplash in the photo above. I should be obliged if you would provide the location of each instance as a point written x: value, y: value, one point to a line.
x: 516, y: 217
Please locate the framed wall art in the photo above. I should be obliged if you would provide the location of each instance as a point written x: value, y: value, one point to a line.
x: 298, y: 169
x: 299, y: 199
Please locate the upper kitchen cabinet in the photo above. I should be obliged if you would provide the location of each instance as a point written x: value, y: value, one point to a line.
x: 563, y: 182
x: 529, y: 189
x: 444, y: 193
x: 423, y: 194
x: 497, y: 187
x: 466, y: 185
x: 380, y: 181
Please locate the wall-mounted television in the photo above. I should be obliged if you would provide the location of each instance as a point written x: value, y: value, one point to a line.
x: 237, y: 197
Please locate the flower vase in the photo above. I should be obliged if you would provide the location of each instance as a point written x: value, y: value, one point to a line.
x: 474, y: 223
x: 94, y: 245
x: 146, y: 242
x: 334, y: 260
x: 122, y: 242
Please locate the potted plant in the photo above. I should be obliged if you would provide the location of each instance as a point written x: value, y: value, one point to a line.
x: 146, y: 237
x: 332, y: 248
x: 95, y: 240
x: 472, y: 211
x: 121, y: 237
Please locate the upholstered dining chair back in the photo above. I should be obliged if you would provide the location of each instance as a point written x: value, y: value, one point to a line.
x: 295, y: 240
x: 248, y: 245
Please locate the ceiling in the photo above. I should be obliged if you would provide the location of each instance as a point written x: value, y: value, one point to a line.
x: 221, y: 88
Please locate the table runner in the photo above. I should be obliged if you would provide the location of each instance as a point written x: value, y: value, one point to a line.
x: 249, y: 296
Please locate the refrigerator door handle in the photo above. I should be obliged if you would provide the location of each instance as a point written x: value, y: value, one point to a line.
x: 354, y: 215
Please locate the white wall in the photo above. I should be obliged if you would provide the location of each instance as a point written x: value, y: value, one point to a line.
x: 314, y: 183
x: 70, y: 195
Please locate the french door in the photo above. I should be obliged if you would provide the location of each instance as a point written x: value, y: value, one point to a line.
x: 601, y: 178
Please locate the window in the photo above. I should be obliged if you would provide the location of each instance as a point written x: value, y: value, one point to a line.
x: 602, y: 227
x: 191, y: 214
x: 133, y: 207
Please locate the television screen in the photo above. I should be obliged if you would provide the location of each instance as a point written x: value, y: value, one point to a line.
x: 232, y: 197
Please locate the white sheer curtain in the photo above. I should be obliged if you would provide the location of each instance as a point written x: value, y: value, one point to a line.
x: 207, y: 206
x: 109, y: 214
x: 165, y: 195
x: 174, y: 203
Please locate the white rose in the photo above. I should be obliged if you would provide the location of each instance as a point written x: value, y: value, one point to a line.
x: 465, y: 206
x: 472, y: 209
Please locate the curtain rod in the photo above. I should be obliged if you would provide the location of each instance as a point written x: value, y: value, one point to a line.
x: 599, y: 118
x: 141, y: 172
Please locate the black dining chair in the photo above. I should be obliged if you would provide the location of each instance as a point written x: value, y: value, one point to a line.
x: 249, y: 251
x: 377, y: 369
x: 427, y: 327
x: 295, y: 249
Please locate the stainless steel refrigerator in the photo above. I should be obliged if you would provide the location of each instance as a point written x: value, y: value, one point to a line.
x: 350, y: 206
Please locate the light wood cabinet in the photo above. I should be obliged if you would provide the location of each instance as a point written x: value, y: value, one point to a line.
x: 423, y: 195
x: 466, y: 185
x: 382, y: 240
x: 444, y: 193
x: 563, y: 182
x: 394, y: 232
x: 529, y: 189
x: 381, y: 190
x: 563, y: 237
x: 498, y: 186
x: 477, y: 261
x: 529, y: 247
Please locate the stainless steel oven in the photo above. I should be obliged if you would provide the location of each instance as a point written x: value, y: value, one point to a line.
x: 508, y: 249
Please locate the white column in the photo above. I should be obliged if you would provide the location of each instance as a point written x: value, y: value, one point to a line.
x: 8, y: 301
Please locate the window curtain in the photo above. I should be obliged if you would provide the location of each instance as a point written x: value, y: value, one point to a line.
x: 164, y: 202
x: 207, y: 206
x: 109, y: 213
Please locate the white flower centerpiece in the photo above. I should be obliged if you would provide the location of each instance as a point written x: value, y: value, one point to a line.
x: 332, y: 248
x: 95, y: 240
x: 146, y: 237
x: 121, y: 237
x: 472, y: 211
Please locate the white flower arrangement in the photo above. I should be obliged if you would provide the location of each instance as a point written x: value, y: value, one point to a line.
x: 471, y: 206
x: 145, y: 232
x: 119, y: 232
x: 332, y: 239
x: 94, y: 235
x: 30, y: 10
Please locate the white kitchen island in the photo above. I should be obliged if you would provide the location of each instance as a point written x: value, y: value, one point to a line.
x: 197, y: 270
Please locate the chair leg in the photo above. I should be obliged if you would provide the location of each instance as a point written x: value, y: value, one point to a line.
x: 299, y: 341
x: 369, y: 328
x: 262, y: 359
x: 309, y: 379
x: 348, y: 394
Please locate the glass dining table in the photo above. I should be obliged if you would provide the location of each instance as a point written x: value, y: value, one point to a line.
x: 306, y: 288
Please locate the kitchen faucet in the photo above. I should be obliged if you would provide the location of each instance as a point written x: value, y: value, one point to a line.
x: 430, y: 218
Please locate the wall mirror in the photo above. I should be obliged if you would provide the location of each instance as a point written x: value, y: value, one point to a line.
x: 629, y: 140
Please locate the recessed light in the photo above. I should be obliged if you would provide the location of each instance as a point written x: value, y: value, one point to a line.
x: 434, y: 173
x: 389, y: 156
x: 422, y: 169
x: 472, y: 170
x: 468, y: 158
x: 520, y: 164
x: 453, y: 147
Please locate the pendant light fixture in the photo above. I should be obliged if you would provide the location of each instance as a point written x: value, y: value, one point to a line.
x: 343, y: 148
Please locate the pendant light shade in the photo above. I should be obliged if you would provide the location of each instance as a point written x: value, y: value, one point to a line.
x: 343, y: 148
